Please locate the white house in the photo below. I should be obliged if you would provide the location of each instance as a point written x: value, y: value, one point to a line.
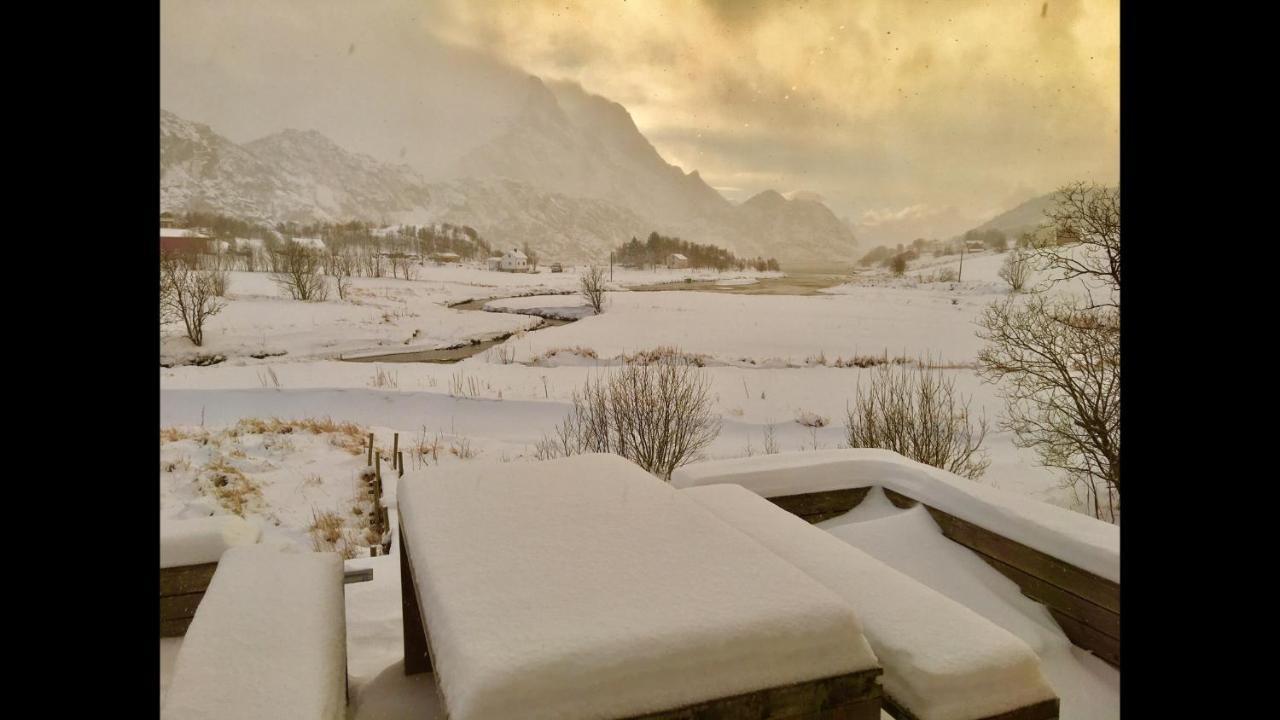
x: 514, y: 261
x: 676, y: 260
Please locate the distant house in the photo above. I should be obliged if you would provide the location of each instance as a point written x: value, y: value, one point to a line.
x: 514, y: 261
x: 446, y: 257
x: 183, y: 240
x: 974, y: 246
x: 495, y: 262
x: 676, y: 260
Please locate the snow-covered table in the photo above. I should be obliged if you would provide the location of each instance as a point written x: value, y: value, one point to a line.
x: 586, y: 588
x: 942, y: 661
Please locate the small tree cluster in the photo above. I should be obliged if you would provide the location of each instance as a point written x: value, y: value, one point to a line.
x: 296, y: 269
x: 1017, y: 268
x: 915, y: 411
x: 657, y: 415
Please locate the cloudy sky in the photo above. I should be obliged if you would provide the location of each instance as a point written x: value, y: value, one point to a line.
x: 904, y: 113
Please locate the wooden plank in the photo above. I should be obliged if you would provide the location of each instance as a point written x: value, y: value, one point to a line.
x: 417, y: 657
x: 186, y: 578
x: 855, y: 696
x: 1046, y: 710
x: 898, y: 499
x: 1095, y: 616
x: 174, y: 607
x: 1094, y: 588
x: 357, y: 576
x: 818, y: 506
x: 1104, y: 646
x: 174, y: 628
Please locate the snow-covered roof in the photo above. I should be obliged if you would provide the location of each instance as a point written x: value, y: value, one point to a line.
x: 181, y: 233
x: 678, y: 256
x: 515, y: 253
x: 310, y: 242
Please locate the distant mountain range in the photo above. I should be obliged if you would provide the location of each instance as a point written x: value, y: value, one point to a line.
x: 570, y: 174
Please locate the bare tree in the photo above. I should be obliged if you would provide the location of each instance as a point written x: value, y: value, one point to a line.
x: 1058, y: 367
x: 592, y: 287
x: 915, y: 411
x: 657, y: 414
x: 297, y: 271
x: 341, y: 265
x: 187, y: 294
x: 1057, y: 360
x: 1017, y: 268
x: 1089, y: 215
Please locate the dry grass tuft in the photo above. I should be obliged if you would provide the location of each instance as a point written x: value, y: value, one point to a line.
x: 230, y: 487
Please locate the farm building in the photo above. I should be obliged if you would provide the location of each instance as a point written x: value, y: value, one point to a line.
x: 676, y: 260
x: 446, y: 257
x: 1054, y: 235
x: 514, y: 261
x: 182, y: 240
x: 313, y: 243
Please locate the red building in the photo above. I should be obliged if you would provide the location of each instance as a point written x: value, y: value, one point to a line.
x: 182, y: 240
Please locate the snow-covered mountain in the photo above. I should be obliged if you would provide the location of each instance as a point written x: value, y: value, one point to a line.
x: 570, y: 174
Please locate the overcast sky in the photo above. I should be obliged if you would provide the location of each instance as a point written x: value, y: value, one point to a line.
x: 900, y: 111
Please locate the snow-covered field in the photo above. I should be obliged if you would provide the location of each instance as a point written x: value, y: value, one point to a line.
x: 770, y: 359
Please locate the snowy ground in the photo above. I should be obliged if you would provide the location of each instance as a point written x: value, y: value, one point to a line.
x: 771, y: 359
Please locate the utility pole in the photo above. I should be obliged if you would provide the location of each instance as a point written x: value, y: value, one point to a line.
x: 960, y: 275
x: 610, y: 266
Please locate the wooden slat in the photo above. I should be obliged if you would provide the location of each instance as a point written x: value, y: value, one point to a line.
x: 174, y: 628
x: 357, y: 576
x: 818, y: 506
x: 174, y: 607
x: 186, y: 579
x: 1046, y: 710
x: 417, y: 657
x: 1095, y: 616
x: 855, y: 695
x: 1104, y: 646
x: 1094, y: 588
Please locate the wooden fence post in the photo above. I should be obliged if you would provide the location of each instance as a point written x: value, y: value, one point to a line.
x: 400, y: 462
x: 395, y: 451
x: 370, y: 460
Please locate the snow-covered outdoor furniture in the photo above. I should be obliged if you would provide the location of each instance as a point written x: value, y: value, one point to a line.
x: 189, y: 553
x: 268, y: 642
x: 942, y: 661
x: 1065, y: 560
x: 586, y: 588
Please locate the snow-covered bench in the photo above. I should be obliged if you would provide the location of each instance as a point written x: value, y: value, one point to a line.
x: 586, y: 588
x: 268, y: 642
x: 1065, y: 560
x: 942, y: 661
x: 189, y: 553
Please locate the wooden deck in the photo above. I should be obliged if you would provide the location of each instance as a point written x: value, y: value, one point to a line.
x: 1086, y: 606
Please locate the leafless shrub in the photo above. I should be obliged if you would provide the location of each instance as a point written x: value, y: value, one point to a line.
x: 592, y: 288
x: 188, y: 295
x: 658, y: 415
x: 917, y: 413
x: 770, y: 442
x: 297, y: 272
x: 384, y: 379
x: 1017, y: 268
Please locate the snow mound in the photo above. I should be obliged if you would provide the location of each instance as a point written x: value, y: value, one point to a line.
x: 1090, y: 544
x: 268, y: 641
x: 941, y: 660
x: 584, y: 587
x: 203, y: 540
